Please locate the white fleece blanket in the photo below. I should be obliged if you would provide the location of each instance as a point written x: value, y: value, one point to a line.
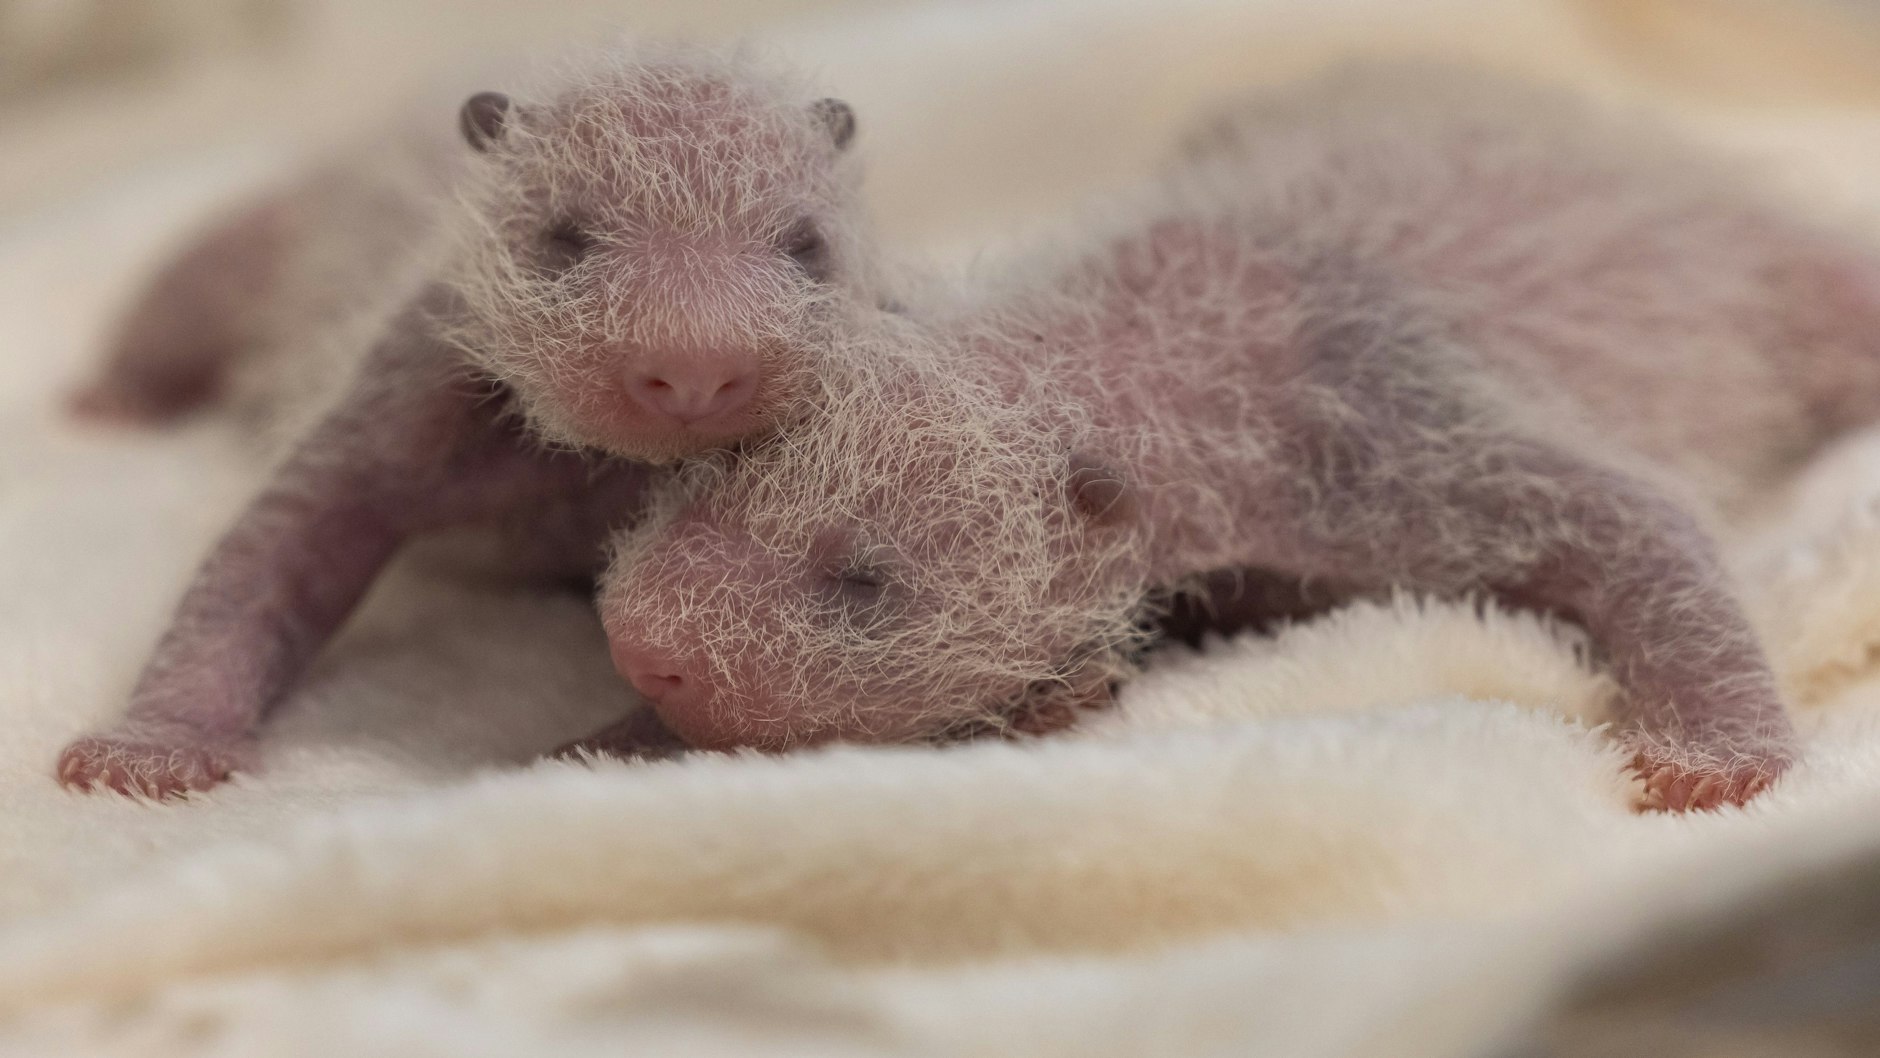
x: 1389, y: 832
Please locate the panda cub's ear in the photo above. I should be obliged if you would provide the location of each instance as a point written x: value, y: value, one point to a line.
x: 1098, y: 491
x: 484, y: 119
x: 838, y: 118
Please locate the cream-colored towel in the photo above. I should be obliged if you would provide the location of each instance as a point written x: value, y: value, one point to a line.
x: 1380, y: 834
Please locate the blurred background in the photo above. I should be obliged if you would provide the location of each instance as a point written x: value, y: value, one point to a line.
x: 963, y: 101
x: 126, y: 125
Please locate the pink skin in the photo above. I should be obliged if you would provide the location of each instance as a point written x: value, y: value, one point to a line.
x: 425, y: 442
x: 1642, y: 602
x: 1621, y: 559
x: 418, y: 446
x: 698, y: 390
x: 1401, y: 474
x: 675, y: 397
x: 641, y: 735
x: 700, y: 307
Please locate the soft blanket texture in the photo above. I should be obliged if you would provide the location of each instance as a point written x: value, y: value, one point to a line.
x: 1389, y: 832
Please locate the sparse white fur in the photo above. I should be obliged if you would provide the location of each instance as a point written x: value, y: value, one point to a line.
x: 686, y: 165
x: 688, y: 168
x: 661, y: 210
x: 1407, y: 327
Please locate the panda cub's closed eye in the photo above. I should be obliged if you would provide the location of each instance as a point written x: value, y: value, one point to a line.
x: 859, y: 588
x: 855, y: 578
x: 860, y: 580
x: 803, y: 243
x: 564, y: 245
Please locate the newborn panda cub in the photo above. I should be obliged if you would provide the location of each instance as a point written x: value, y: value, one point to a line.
x: 1398, y: 328
x: 641, y: 264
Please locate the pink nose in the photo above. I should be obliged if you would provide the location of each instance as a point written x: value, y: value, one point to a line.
x: 677, y: 693
x: 656, y: 677
x: 695, y: 389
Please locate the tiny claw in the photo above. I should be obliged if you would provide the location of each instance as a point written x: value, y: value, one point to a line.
x: 1653, y: 799
x: 1707, y: 794
x: 150, y: 766
x: 1678, y: 794
x: 1658, y: 783
x: 1705, y: 783
x: 641, y: 736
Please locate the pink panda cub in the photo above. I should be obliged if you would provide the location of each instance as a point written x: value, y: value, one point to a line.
x: 1395, y: 328
x: 639, y: 260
